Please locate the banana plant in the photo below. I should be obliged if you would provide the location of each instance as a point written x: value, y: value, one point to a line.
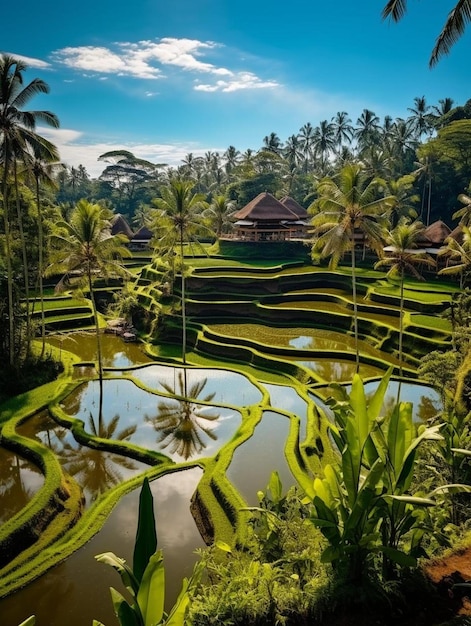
x: 145, y: 581
x: 363, y: 505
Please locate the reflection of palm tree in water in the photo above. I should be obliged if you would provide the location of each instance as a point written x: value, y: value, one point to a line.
x: 180, y: 424
x: 14, y: 495
x: 99, y: 470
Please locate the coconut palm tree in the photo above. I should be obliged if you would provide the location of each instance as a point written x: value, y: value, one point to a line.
x: 83, y: 249
x: 219, y: 212
x: 459, y: 253
x: 420, y: 120
x: 403, y: 258
x: 17, y: 137
x: 368, y: 129
x: 179, y: 220
x: 44, y: 173
x: 343, y: 129
x: 452, y: 30
x: 351, y: 204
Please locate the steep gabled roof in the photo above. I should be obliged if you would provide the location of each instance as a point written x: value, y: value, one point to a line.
x: 295, y: 207
x: 457, y: 234
x: 437, y: 232
x: 120, y: 225
x: 266, y: 207
x: 143, y: 234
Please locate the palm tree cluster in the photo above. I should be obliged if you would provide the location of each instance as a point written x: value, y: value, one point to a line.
x: 25, y: 156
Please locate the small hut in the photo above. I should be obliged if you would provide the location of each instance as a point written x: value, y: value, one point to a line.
x: 141, y: 239
x: 119, y: 225
x: 267, y: 219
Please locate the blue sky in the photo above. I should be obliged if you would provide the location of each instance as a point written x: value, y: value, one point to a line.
x: 163, y: 78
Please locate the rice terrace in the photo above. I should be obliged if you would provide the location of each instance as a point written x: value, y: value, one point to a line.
x: 235, y: 395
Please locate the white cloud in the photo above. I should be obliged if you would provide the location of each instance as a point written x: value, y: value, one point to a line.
x: 75, y: 149
x: 179, y: 52
x: 242, y: 80
x: 145, y: 59
x: 103, y: 60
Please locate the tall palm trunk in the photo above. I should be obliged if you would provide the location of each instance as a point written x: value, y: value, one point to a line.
x: 41, y: 267
x: 24, y: 253
x: 8, y: 251
x: 355, y: 306
x: 401, y: 331
x: 98, y: 345
x: 183, y: 299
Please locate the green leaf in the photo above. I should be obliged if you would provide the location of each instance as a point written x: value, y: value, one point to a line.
x: 178, y: 613
x: 415, y: 500
x: 400, y: 434
x: 222, y: 545
x: 454, y: 488
x: 125, y: 614
x: 462, y: 451
x: 401, y: 558
x: 146, y: 535
x: 375, y: 403
x: 275, y: 487
x: 31, y: 621
x: 119, y: 564
x: 151, y: 594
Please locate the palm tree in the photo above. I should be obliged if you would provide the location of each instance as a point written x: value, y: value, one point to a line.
x: 17, y: 137
x: 404, y: 258
x: 445, y: 105
x: 232, y: 158
x: 324, y: 140
x: 43, y: 173
x: 344, y: 208
x: 306, y: 142
x: 343, y: 129
x: 219, y: 212
x: 464, y: 214
x: 459, y: 254
x: 84, y: 249
x: 179, y: 220
x: 452, y: 30
x: 368, y: 129
x: 273, y: 143
x: 420, y: 118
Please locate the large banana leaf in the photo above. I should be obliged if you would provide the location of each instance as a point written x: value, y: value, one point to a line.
x: 146, y: 535
x: 151, y: 594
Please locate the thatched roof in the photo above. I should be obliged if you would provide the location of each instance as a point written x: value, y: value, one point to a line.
x: 437, y: 232
x: 143, y: 234
x: 120, y: 225
x: 266, y: 207
x: 457, y: 234
x: 295, y: 207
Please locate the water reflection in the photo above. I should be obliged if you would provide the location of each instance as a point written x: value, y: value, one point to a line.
x: 77, y: 591
x: 228, y: 387
x: 19, y: 481
x: 253, y: 463
x: 182, y: 424
x: 116, y: 353
x: 99, y: 470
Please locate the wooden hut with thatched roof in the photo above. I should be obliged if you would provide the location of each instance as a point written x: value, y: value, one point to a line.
x: 267, y: 219
x: 119, y: 226
x: 434, y: 235
x: 141, y: 239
